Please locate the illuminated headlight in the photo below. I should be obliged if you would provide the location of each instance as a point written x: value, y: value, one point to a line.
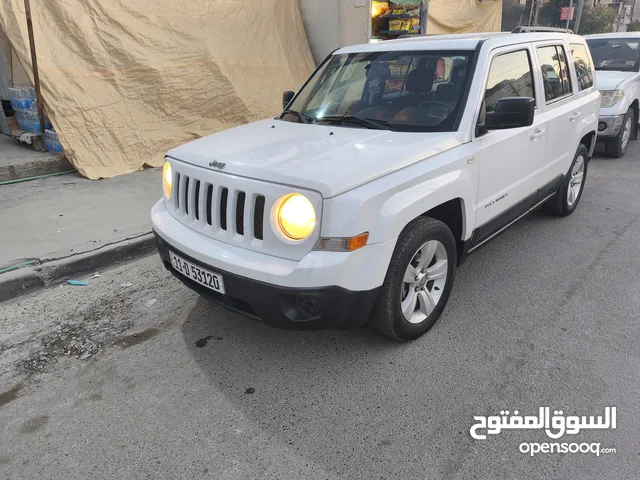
x: 296, y: 216
x: 167, y: 179
x: 610, y: 97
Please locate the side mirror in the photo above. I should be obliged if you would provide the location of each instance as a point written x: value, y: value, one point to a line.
x: 286, y: 98
x: 512, y: 112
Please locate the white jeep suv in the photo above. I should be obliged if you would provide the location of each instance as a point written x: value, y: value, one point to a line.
x: 391, y: 164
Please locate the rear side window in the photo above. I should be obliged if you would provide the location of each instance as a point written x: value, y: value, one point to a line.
x: 582, y: 62
x: 555, y: 74
x: 509, y: 76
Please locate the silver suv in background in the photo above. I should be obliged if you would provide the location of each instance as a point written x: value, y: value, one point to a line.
x: 617, y: 64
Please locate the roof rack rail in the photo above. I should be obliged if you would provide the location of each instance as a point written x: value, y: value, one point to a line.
x: 525, y: 29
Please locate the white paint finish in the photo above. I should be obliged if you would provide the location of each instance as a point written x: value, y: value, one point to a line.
x: 561, y: 129
x: 385, y: 206
x: 378, y: 181
x: 358, y: 271
x: 628, y: 82
x: 329, y: 159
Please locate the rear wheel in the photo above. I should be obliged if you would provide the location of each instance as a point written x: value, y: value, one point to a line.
x: 566, y: 199
x: 617, y: 146
x: 418, y: 282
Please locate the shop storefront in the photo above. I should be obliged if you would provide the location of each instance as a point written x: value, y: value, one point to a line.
x: 394, y: 19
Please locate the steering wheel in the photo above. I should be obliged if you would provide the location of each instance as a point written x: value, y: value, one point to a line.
x: 440, y: 104
x: 435, y: 102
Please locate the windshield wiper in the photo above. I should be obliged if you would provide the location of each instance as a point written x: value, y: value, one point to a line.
x: 301, y: 116
x: 365, y: 122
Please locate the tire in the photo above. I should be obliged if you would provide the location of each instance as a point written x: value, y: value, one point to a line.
x: 424, y: 237
x: 562, y: 204
x: 617, y: 146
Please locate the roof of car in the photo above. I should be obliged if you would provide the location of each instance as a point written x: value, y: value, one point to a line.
x: 614, y: 35
x: 467, y: 41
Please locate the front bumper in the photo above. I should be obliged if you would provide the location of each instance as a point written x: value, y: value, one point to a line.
x: 277, y: 306
x: 609, y: 126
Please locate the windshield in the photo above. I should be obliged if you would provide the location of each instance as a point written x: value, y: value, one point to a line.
x: 400, y: 91
x: 615, y: 54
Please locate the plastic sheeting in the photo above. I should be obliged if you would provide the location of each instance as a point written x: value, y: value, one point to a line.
x: 464, y: 16
x: 123, y: 82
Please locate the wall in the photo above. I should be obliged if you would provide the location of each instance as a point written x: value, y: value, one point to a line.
x: 321, y: 19
x: 355, y: 21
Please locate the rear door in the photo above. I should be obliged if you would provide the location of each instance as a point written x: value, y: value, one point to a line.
x: 509, y: 159
x: 562, y: 110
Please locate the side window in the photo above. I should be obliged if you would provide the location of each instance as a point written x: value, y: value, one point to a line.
x: 555, y: 74
x: 582, y: 62
x: 509, y: 76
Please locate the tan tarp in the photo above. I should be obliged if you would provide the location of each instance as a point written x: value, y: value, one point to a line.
x: 124, y: 81
x: 464, y: 16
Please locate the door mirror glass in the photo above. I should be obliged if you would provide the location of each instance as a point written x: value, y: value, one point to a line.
x: 286, y: 98
x: 514, y: 112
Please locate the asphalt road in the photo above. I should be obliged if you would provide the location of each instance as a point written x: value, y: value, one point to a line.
x: 150, y: 381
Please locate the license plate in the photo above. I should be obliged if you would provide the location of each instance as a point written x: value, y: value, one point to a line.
x: 199, y: 275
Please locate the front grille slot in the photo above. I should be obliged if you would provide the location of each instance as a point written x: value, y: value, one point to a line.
x: 177, y: 195
x: 209, y: 204
x: 258, y: 218
x: 197, y: 202
x: 223, y: 208
x: 186, y: 195
x: 240, y: 213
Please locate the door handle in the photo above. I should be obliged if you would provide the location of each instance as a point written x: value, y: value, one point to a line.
x: 538, y: 133
x: 574, y: 116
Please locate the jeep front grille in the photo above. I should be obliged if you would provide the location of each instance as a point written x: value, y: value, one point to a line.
x: 193, y: 196
x: 235, y: 210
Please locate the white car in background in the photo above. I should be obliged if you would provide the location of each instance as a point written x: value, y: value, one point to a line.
x: 617, y: 64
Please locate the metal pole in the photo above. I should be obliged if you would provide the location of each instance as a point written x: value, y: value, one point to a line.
x: 569, y: 16
x: 425, y: 15
x: 531, y: 6
x: 537, y: 15
x: 34, y: 64
x: 576, y: 25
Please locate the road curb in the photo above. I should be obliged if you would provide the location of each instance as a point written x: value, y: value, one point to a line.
x: 34, y: 168
x: 27, y: 280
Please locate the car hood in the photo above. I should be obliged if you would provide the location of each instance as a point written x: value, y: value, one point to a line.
x: 609, y: 80
x: 328, y: 159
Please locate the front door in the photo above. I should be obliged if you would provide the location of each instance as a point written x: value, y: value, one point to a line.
x: 509, y: 159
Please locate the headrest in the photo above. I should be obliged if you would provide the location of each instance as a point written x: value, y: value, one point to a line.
x: 420, y: 81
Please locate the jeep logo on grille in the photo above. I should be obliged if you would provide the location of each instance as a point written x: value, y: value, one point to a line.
x: 218, y: 165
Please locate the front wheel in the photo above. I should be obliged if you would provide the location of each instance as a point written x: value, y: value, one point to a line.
x: 566, y: 199
x: 418, y: 282
x: 617, y: 146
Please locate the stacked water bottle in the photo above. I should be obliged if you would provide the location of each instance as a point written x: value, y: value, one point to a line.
x: 23, y: 101
x: 51, y: 141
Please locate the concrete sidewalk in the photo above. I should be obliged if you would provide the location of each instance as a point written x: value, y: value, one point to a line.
x: 19, y: 161
x: 72, y: 224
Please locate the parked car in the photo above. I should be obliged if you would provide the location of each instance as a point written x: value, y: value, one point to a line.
x: 391, y: 164
x: 617, y: 66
